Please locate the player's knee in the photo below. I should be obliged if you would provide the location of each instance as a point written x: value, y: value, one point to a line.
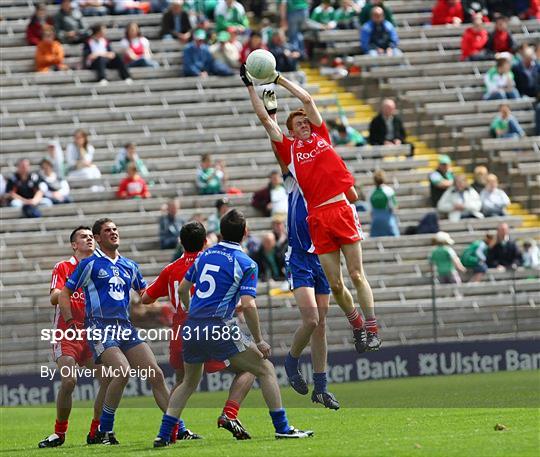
x: 266, y: 369
x: 320, y: 330
x: 156, y: 376
x: 311, y: 323
x: 337, y: 286
x: 68, y: 383
x: 358, y: 278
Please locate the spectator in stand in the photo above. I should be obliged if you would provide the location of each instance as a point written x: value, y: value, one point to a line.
x: 225, y: 51
x: 472, y: 7
x: 527, y: 9
x: 365, y: 13
x: 475, y: 255
x: 280, y: 232
x: 286, y: 56
x: 34, y: 30
x: 474, y: 40
x: 500, y: 40
x: 480, y: 174
x: 378, y: 36
x: 531, y: 255
x: 24, y: 191
x: 93, y: 7
x: 133, y: 185
x: 526, y: 72
x: 53, y: 186
x: 499, y: 80
x: 345, y: 135
x: 444, y: 259
x: 127, y: 155
x: 505, y: 125
x: 175, y: 23
x: 170, y: 225
x: 254, y: 42
x: 79, y: 156
x: 56, y: 155
x: 347, y: 15
x: 460, y: 201
x: 497, y: 8
x: 49, y: 53
x: 269, y: 259
x: 323, y: 16
x: 69, y: 25
x: 383, y: 204
x: 293, y: 14
x: 3, y: 196
x: 494, y: 200
x: 447, y: 12
x: 213, y: 223
x: 209, y: 177
x: 130, y: 7
x: 271, y: 199
x: 230, y: 15
x: 505, y: 253
x: 136, y: 48
x: 441, y: 179
x: 387, y: 128
x: 98, y: 55
x: 198, y: 60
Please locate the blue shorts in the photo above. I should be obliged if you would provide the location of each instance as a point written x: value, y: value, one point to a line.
x: 107, y: 333
x: 305, y: 270
x: 212, y: 339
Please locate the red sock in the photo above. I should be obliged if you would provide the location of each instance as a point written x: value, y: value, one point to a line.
x: 60, y: 427
x: 231, y: 409
x: 93, y: 428
x: 355, y: 319
x: 371, y: 325
x: 174, y: 433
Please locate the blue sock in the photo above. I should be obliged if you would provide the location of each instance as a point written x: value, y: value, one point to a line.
x: 319, y: 381
x: 181, y: 426
x: 167, y: 425
x: 106, y: 421
x: 279, y: 419
x: 291, y: 365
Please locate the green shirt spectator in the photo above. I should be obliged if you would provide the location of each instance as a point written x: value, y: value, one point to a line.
x: 445, y: 260
x: 125, y: 156
x: 365, y: 14
x: 347, y: 136
x: 296, y: 5
x: 324, y: 13
x: 205, y: 7
x: 383, y: 197
x: 230, y: 13
x: 209, y: 178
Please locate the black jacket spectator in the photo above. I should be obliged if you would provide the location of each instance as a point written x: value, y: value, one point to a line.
x: 526, y: 73
x: 69, y: 25
x: 504, y: 254
x: 270, y: 258
x: 378, y: 130
x: 169, y: 24
x: 286, y: 55
x: 500, y: 8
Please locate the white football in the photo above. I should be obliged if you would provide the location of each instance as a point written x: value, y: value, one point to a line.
x: 260, y: 64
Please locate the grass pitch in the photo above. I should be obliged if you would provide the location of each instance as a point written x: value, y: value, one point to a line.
x: 438, y: 416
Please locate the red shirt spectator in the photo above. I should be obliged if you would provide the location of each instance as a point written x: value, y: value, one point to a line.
x: 474, y: 39
x: 133, y: 185
x: 34, y: 31
x: 501, y: 40
x: 447, y: 12
x: 254, y: 42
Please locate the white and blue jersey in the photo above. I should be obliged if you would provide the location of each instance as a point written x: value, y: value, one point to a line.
x: 303, y: 266
x: 107, y: 284
x: 221, y: 275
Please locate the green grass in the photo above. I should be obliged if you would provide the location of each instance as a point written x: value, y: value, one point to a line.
x: 438, y: 416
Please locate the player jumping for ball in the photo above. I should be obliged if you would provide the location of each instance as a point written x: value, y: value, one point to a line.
x: 324, y: 181
x: 71, y: 352
x: 222, y: 275
x: 167, y: 284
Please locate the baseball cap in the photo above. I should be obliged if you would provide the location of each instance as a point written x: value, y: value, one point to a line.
x: 199, y: 34
x: 445, y: 160
x: 223, y: 36
x: 444, y: 238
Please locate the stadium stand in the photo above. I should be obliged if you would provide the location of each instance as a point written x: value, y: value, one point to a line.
x: 173, y: 120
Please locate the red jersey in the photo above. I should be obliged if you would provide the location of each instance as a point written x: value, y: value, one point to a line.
x: 61, y: 272
x: 168, y: 284
x: 319, y: 170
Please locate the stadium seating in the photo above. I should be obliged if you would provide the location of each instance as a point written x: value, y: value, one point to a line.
x: 174, y: 120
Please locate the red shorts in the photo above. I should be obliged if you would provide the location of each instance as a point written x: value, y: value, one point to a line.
x: 334, y: 225
x: 176, y: 359
x: 77, y: 349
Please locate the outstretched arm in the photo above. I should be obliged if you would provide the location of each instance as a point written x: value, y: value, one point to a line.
x: 271, y: 127
x: 305, y: 97
x: 270, y: 105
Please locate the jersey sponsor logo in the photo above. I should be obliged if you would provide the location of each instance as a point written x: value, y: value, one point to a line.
x: 115, y: 271
x: 77, y: 295
x: 116, y: 288
x: 102, y: 274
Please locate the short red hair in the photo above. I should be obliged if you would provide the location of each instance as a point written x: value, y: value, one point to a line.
x: 292, y: 115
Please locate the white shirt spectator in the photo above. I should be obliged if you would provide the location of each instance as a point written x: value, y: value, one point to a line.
x: 279, y: 200
x: 494, y: 202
